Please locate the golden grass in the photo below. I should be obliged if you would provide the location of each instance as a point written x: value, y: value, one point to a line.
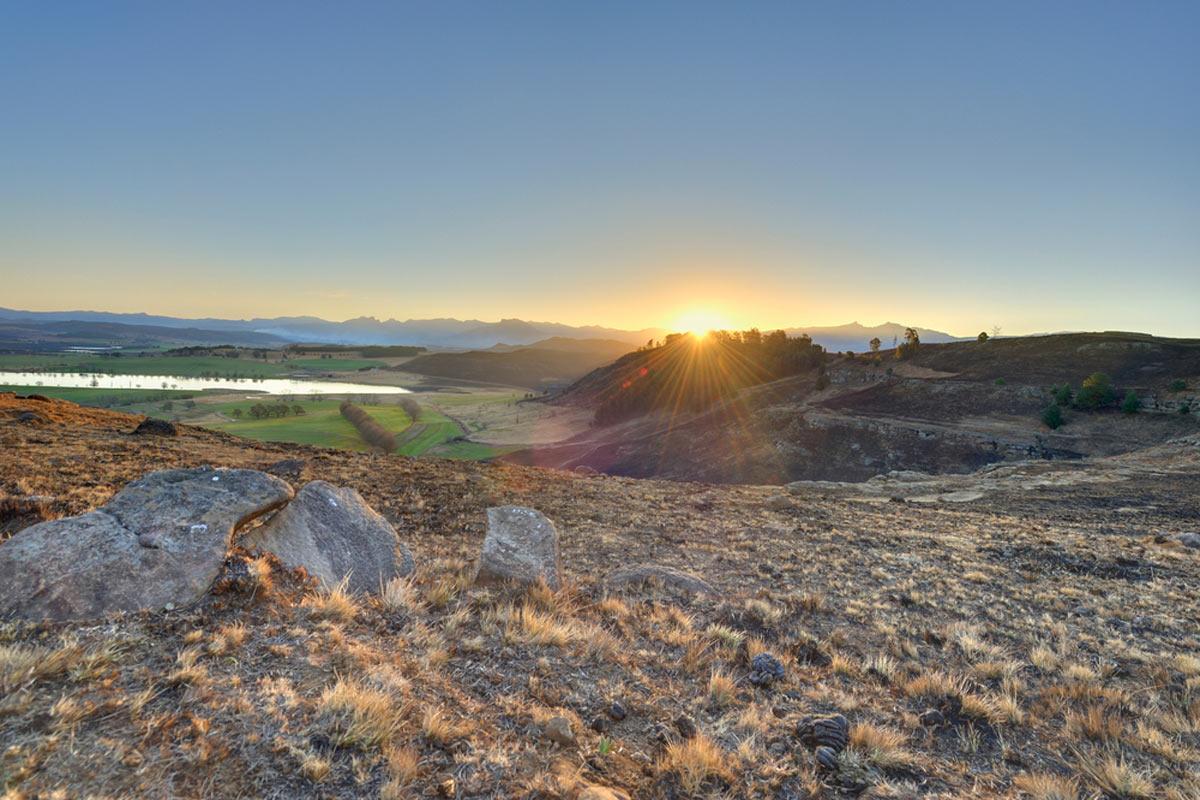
x: 881, y: 747
x: 359, y: 716
x: 693, y: 761
x: 333, y: 603
x: 1114, y: 777
x: 725, y: 636
x: 24, y: 665
x: 1043, y: 786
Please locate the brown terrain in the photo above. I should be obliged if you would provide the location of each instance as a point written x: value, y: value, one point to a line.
x: 952, y: 408
x: 1030, y: 630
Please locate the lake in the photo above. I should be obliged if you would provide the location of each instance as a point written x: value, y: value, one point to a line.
x: 70, y: 380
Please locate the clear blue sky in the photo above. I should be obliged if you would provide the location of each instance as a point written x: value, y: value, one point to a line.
x: 954, y: 165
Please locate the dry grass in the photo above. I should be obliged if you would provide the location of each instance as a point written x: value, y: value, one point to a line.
x: 1042, y: 786
x: 358, y: 716
x: 694, y: 761
x: 881, y: 747
x: 1114, y: 777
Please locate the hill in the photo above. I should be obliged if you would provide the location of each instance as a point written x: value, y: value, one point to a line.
x: 989, y: 635
x: 954, y: 407
x: 550, y: 363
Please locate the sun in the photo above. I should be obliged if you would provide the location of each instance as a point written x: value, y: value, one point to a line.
x: 699, y: 322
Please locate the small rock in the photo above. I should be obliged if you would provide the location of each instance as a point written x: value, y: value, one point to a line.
x: 599, y: 724
x: 765, y: 669
x: 780, y: 502
x: 558, y: 730
x: 1190, y: 540
x: 585, y: 470
x: 685, y: 726
x: 288, y: 467
x: 832, y: 732
x: 617, y: 711
x: 668, y: 576
x: 31, y: 416
x: 521, y: 545
x: 932, y: 717
x: 1082, y: 611
x: 156, y: 427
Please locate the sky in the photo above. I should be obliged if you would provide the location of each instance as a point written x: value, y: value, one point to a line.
x: 954, y: 165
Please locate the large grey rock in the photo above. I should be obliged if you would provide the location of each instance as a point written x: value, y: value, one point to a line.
x: 668, y: 576
x: 159, y: 543
x: 332, y: 533
x: 521, y: 545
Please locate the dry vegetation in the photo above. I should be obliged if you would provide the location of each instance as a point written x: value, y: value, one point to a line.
x: 1039, y: 644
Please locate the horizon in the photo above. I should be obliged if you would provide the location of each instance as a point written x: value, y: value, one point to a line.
x: 1025, y: 165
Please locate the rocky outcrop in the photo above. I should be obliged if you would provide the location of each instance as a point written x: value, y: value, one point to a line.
x: 159, y: 543
x: 521, y: 545
x: 156, y: 427
x: 667, y: 576
x: 332, y: 533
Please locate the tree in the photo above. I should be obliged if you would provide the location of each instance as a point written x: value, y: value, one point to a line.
x: 237, y: 413
x: 1131, y: 404
x: 298, y: 410
x: 1061, y: 394
x: 912, y: 344
x: 1096, y: 391
x: 982, y: 337
x: 1177, y: 385
x: 875, y: 343
x: 1053, y: 417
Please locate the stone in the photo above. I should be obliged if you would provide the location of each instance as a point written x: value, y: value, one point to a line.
x: 520, y: 545
x: 599, y: 724
x: 1190, y: 540
x: 161, y: 541
x: 668, y: 576
x: 780, y: 502
x: 332, y: 533
x: 826, y: 757
x: 765, y: 669
x: 586, y: 471
x: 558, y: 730
x: 686, y: 726
x: 617, y: 711
x: 932, y: 717
x: 288, y: 467
x: 31, y: 417
x: 156, y: 427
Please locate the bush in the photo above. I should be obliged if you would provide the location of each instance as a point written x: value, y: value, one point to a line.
x: 1061, y: 394
x: 1177, y: 385
x: 1131, y: 404
x: 1053, y: 417
x: 1183, y: 408
x: 1000, y: 382
x: 1096, y: 391
x: 982, y: 337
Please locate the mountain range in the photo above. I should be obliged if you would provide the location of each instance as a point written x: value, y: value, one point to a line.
x: 444, y: 332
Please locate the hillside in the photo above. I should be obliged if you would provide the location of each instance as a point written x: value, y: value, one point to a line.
x: 952, y: 408
x: 544, y: 365
x: 982, y: 637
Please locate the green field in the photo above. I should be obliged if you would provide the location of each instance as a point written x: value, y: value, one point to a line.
x: 322, y: 424
x: 183, y: 366
x: 335, y: 364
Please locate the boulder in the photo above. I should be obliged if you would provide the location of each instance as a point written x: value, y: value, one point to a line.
x: 1190, y: 540
x: 159, y: 543
x: 521, y: 545
x: 668, y: 576
x: 156, y: 427
x: 332, y: 533
x: 288, y: 468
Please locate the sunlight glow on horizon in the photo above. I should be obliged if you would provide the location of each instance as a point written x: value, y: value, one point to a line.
x: 699, y: 322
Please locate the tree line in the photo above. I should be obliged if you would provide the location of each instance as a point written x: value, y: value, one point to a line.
x: 371, y: 431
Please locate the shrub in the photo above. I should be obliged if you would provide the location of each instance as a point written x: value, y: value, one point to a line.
x: 1131, y: 404
x: 1000, y: 382
x: 1053, y: 417
x: 1096, y: 391
x: 1062, y: 394
x: 1177, y: 385
x: 982, y: 337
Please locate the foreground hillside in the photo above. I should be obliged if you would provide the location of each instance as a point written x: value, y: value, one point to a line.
x: 1031, y: 631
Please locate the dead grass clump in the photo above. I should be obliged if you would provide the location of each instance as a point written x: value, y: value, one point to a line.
x: 881, y: 747
x: 1097, y: 724
x: 399, y: 594
x: 438, y: 726
x: 725, y: 636
x: 359, y: 716
x: 539, y: 628
x: 336, y: 604
x: 22, y: 665
x: 762, y: 612
x: 315, y: 767
x: 259, y: 570
x: 721, y: 688
x: 1041, y: 786
x: 694, y: 761
x: 188, y: 672
x: 1114, y: 777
